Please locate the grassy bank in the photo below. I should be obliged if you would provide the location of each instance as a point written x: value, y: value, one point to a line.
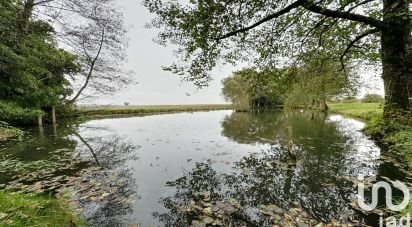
x: 362, y: 111
x: 91, y: 111
x: 33, y: 210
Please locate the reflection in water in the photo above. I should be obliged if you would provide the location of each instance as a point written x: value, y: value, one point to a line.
x: 331, y: 153
x: 219, y: 166
x: 108, y: 196
x: 89, y: 162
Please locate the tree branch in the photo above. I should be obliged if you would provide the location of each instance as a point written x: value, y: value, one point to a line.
x: 266, y: 19
x: 343, y: 15
x: 312, y: 7
x: 42, y: 2
x: 89, y: 75
x: 352, y: 44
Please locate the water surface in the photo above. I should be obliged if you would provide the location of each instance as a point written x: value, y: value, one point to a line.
x: 163, y: 163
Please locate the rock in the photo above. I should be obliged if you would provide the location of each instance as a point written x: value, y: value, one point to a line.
x: 277, y: 217
x: 208, y: 220
x: 208, y: 211
x: 303, y: 225
x: 278, y: 210
x: 104, y: 195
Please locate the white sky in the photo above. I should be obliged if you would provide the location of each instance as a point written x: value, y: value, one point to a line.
x: 145, y: 58
x: 157, y: 87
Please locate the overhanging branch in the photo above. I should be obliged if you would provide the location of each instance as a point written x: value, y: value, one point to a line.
x: 344, y: 15
x: 353, y: 42
x: 266, y: 19
x: 312, y: 7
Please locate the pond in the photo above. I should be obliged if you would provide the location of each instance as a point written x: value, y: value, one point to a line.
x: 220, y: 167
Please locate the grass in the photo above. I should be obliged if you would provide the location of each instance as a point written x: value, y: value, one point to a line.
x: 142, y: 110
x: 362, y: 111
x: 34, y: 210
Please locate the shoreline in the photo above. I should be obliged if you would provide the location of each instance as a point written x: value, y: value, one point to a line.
x: 109, y: 111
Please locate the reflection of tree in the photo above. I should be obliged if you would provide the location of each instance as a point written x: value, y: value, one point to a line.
x: 189, y: 189
x: 261, y: 181
x: 251, y: 127
x: 319, y: 183
x: 109, y: 193
x: 33, y: 147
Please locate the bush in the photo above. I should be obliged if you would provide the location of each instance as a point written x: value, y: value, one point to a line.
x: 373, y: 98
x: 7, y: 131
x: 12, y: 113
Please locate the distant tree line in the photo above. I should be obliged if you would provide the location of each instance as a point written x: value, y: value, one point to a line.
x: 309, y: 85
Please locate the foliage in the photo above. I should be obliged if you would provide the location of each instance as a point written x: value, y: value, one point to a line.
x: 272, y: 33
x: 309, y: 85
x: 373, y: 98
x: 210, y: 31
x: 32, y: 210
x: 33, y: 69
x: 7, y: 131
x: 318, y: 81
x: 11, y: 112
x: 249, y: 88
x: 234, y: 91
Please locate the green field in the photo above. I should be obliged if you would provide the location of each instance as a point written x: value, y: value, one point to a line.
x: 362, y: 111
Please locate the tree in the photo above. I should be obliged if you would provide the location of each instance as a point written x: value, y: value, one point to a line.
x: 249, y: 88
x: 316, y: 82
x: 234, y: 91
x: 372, y: 98
x: 33, y: 69
x: 208, y: 31
x: 94, y: 31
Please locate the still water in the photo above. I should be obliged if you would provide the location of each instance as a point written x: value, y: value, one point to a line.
x: 164, y: 165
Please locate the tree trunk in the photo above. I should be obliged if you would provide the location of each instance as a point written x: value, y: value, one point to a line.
x: 397, y: 58
x: 91, y: 68
x: 27, y: 14
x: 53, y: 115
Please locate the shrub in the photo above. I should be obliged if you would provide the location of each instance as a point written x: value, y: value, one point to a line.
x: 12, y: 113
x: 373, y: 98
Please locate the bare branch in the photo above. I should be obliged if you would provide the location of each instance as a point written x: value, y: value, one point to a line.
x: 91, y: 69
x: 42, y: 2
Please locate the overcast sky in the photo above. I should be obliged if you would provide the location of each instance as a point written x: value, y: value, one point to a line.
x: 155, y: 86
x: 146, y: 58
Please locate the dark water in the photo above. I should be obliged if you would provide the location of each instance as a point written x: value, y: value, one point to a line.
x: 163, y: 162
